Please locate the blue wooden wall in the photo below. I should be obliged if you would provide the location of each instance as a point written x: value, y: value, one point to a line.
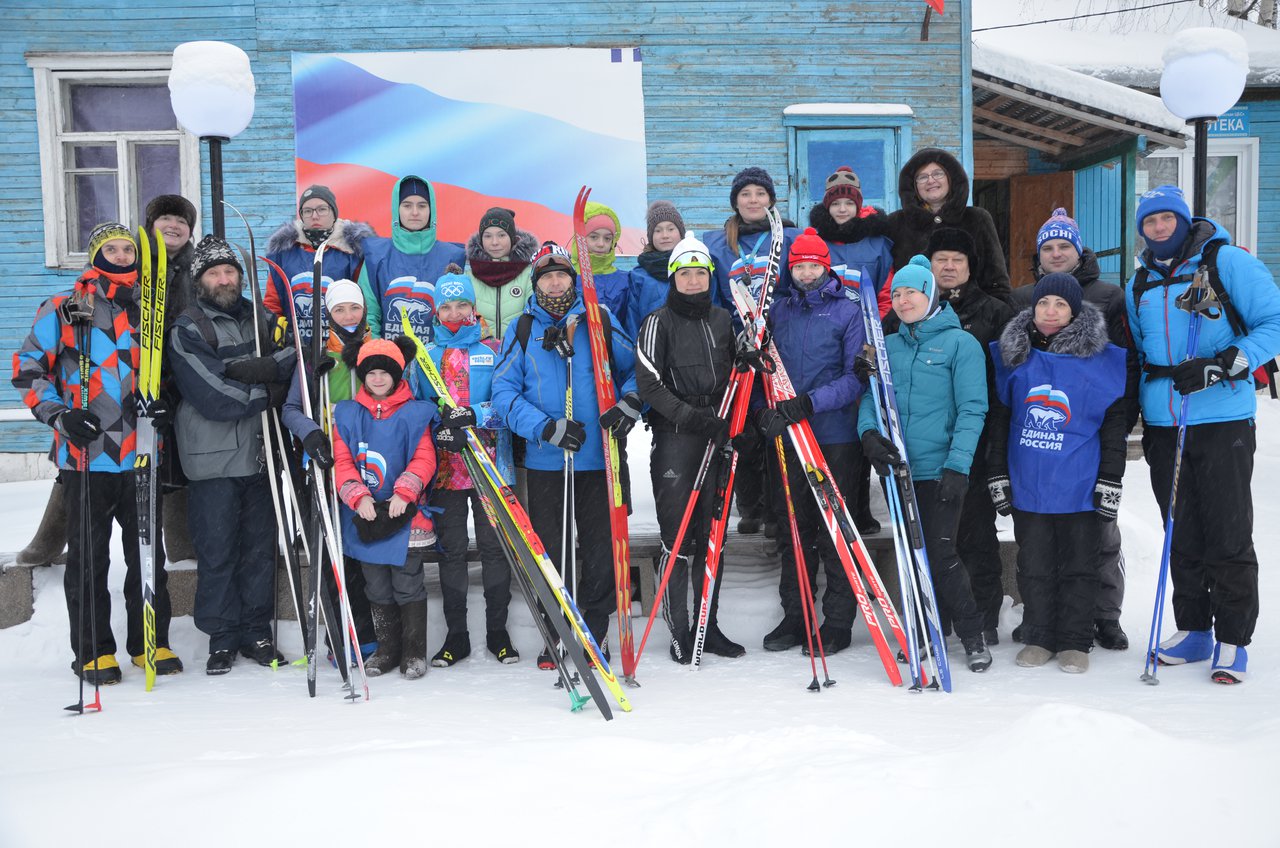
x: 717, y: 75
x: 1264, y: 122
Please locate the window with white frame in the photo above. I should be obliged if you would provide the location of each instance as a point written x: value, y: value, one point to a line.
x: 1231, y: 197
x: 109, y: 143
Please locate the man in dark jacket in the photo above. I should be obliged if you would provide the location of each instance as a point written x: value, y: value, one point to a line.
x: 955, y: 264
x: 1059, y: 249
x: 225, y: 387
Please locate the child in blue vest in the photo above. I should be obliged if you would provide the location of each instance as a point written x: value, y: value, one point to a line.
x: 1056, y: 458
x: 465, y: 353
x: 383, y: 461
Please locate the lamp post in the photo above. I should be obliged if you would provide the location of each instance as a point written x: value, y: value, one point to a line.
x: 211, y: 89
x: 1204, y: 74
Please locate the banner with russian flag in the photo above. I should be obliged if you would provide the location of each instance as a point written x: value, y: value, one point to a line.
x: 523, y: 129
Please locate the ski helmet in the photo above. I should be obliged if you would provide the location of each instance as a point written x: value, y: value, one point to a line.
x: 689, y: 253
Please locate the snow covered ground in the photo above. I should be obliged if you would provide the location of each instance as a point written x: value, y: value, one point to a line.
x: 738, y: 753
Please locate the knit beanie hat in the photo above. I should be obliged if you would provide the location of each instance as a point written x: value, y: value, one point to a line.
x: 104, y: 233
x: 212, y: 251
x: 550, y: 257
x: 318, y: 192
x: 659, y: 211
x: 170, y: 204
x: 1060, y: 226
x: 809, y: 247
x: 752, y: 176
x: 383, y: 355
x: 917, y: 274
x: 1064, y: 286
x: 1165, y: 198
x: 503, y: 219
x: 455, y: 285
x: 412, y: 187
x: 955, y: 239
x: 843, y: 183
x: 342, y: 291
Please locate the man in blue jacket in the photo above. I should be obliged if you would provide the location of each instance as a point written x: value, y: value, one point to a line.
x: 529, y: 389
x: 1213, y: 563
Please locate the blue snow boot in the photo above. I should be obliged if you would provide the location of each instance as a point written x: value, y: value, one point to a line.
x: 1186, y: 646
x: 1229, y: 662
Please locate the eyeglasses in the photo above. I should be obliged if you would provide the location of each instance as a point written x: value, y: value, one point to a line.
x: 315, y: 211
x: 931, y: 177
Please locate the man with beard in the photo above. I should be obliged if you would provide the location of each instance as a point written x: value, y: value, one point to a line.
x: 225, y: 387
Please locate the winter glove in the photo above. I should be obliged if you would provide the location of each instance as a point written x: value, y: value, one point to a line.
x: 565, y: 433
x: 257, y: 369
x: 1106, y: 498
x: 863, y: 368
x: 1001, y: 491
x: 276, y: 394
x: 772, y: 423
x: 709, y: 426
x: 880, y: 452
x: 450, y: 439
x: 796, y: 409
x: 317, y: 446
x: 457, y: 416
x: 158, y: 411
x: 79, y: 426
x: 557, y: 339
x: 746, y: 441
x: 623, y: 415
x: 747, y: 355
x: 327, y: 364
x: 1200, y: 373
x: 952, y: 486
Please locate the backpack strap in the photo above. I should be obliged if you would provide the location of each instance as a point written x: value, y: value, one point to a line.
x: 204, y: 325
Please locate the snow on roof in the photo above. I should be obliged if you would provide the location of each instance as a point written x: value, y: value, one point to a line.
x: 1125, y: 47
x: 1079, y: 88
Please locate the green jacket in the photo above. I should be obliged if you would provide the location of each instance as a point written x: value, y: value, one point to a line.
x: 940, y: 379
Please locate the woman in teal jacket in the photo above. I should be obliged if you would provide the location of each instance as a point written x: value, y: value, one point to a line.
x: 940, y: 378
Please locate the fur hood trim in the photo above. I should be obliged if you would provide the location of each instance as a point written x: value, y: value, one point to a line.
x: 1084, y: 337
x: 521, y: 252
x: 348, y: 236
x: 854, y: 230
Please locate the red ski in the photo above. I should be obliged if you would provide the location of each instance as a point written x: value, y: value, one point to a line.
x: 606, y: 395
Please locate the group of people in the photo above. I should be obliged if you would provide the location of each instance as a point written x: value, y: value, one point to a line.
x: 1011, y: 401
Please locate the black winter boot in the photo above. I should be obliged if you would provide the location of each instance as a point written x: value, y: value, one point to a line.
x: 456, y: 647
x: 413, y: 629
x: 499, y: 644
x: 1108, y: 633
x: 784, y: 637
x: 386, y: 628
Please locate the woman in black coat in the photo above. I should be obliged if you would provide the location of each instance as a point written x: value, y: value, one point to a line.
x: 934, y: 191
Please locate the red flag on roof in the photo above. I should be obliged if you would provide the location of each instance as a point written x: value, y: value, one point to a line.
x: 936, y: 5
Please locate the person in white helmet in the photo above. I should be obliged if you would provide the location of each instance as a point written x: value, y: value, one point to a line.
x: 685, y: 354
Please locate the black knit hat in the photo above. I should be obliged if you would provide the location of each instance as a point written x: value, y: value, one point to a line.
x: 318, y: 192
x: 212, y: 251
x: 954, y: 238
x: 412, y: 187
x: 1064, y: 286
x: 752, y: 176
x: 503, y: 219
x: 170, y: 204
x: 659, y: 211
